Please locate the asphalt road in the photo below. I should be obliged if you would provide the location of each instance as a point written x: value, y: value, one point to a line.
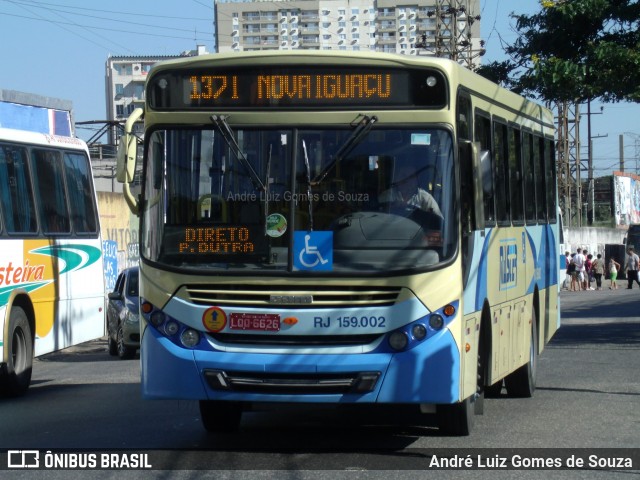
x: 588, y: 397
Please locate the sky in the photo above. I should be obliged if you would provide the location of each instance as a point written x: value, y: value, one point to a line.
x: 59, y: 48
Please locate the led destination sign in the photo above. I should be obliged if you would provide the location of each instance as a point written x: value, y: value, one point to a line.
x: 286, y: 87
x: 216, y: 240
x: 294, y: 87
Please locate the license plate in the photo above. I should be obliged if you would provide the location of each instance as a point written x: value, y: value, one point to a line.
x: 263, y: 322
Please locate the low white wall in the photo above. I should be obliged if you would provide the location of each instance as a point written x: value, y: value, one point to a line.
x: 591, y: 238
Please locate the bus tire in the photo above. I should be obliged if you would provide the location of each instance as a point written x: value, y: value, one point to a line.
x: 220, y: 417
x: 456, y: 418
x: 522, y: 382
x: 20, y: 362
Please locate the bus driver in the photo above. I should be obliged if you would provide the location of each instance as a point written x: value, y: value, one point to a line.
x: 405, y: 190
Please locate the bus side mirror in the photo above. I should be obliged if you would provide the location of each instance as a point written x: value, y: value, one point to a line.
x: 480, y: 182
x: 128, y: 150
x: 126, y: 159
x: 486, y: 172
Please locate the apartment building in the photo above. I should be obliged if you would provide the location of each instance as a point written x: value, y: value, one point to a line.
x: 125, y: 78
x: 416, y: 27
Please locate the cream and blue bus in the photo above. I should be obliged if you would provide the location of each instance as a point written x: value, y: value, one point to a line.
x: 343, y: 228
x: 51, y: 272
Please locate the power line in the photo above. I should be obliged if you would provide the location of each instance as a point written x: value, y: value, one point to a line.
x: 86, y: 28
x: 118, y: 12
x: 59, y: 24
x: 202, y: 4
x: 118, y: 20
x: 105, y: 28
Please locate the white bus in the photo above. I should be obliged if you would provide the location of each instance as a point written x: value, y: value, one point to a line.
x: 51, y: 273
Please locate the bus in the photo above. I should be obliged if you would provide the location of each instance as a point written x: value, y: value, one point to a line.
x: 341, y: 228
x: 51, y: 272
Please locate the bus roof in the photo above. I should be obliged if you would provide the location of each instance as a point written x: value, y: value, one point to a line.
x: 43, y: 139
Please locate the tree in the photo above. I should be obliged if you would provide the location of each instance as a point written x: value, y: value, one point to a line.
x: 575, y: 50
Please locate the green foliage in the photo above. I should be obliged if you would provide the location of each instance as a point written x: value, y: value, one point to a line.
x: 575, y: 50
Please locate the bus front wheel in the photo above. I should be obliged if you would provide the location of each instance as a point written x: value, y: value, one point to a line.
x: 456, y: 418
x: 522, y: 382
x: 20, y: 362
x: 220, y: 417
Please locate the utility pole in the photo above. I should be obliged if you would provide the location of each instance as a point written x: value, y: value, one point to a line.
x: 568, y: 163
x: 455, y: 31
x: 565, y: 183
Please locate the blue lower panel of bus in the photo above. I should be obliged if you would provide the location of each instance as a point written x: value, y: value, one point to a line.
x: 429, y: 373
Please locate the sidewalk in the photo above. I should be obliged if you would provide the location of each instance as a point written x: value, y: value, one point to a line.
x: 604, y: 303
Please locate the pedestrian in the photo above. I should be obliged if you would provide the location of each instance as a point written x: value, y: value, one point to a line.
x: 567, y: 277
x: 631, y: 266
x: 579, y: 260
x: 597, y: 267
x: 613, y: 273
x: 571, y: 270
x: 587, y: 270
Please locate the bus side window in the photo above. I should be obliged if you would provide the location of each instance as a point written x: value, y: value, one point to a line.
x: 516, y: 180
x: 529, y: 178
x: 550, y: 172
x: 483, y: 137
x: 79, y: 183
x: 501, y: 173
x: 16, y: 196
x: 463, y: 116
x: 52, y: 196
x: 538, y: 165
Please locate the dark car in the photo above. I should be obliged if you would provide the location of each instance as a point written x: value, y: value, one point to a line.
x: 123, y: 324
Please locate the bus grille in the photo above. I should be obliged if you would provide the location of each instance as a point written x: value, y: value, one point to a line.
x: 292, y: 383
x: 261, y: 296
x: 296, y: 340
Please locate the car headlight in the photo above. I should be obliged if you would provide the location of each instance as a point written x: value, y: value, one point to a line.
x: 132, y: 317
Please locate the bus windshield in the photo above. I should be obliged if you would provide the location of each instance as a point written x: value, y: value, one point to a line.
x: 223, y: 199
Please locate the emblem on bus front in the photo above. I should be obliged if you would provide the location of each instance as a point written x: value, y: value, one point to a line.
x: 291, y: 299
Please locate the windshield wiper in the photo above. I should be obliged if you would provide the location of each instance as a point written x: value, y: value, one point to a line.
x: 266, y: 193
x: 309, y: 191
x: 352, y: 142
x: 220, y: 121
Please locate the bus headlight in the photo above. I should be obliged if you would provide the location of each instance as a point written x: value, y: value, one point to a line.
x: 190, y: 338
x: 157, y: 318
x: 419, y: 331
x: 171, y: 328
x: 436, y: 321
x: 398, y: 340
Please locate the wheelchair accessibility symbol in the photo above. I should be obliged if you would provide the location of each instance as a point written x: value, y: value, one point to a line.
x: 313, y: 250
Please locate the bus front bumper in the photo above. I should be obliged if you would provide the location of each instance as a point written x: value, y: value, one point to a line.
x: 429, y: 373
